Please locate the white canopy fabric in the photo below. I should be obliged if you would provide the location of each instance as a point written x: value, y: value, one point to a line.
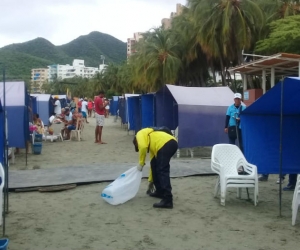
x: 42, y: 97
x: 204, y: 96
x: 14, y: 93
x: 129, y: 95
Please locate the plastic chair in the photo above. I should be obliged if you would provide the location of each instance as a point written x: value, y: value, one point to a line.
x: 226, y: 159
x: 296, y: 201
x: 79, y: 129
x: 1, y: 192
x: 57, y: 127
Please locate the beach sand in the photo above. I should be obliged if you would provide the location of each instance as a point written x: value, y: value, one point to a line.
x: 80, y: 219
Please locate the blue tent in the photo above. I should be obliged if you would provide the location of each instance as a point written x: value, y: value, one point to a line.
x: 148, y: 110
x: 33, y: 104
x: 134, y: 113
x: 122, y: 109
x: 44, y: 106
x: 198, y: 112
x: 2, y: 133
x: 261, y: 129
x: 17, y: 101
x: 114, y: 105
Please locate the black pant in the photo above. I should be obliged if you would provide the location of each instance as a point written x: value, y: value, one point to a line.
x: 292, y: 180
x: 234, y: 138
x: 160, y: 166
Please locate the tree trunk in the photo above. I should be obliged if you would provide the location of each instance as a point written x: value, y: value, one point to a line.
x: 222, y: 72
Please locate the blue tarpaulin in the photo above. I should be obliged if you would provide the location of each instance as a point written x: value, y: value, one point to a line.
x: 261, y: 129
x: 44, y: 106
x: 114, y: 105
x: 134, y: 113
x: 122, y: 109
x: 148, y: 110
x: 198, y: 112
x: 16, y: 105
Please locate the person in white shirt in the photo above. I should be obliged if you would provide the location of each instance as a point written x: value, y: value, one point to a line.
x: 84, y: 105
x: 57, y: 106
x: 107, y: 109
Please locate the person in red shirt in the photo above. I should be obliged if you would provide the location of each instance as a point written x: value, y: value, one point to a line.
x: 79, y: 105
x: 100, y: 105
x: 90, y: 107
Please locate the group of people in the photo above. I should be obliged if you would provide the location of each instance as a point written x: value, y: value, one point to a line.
x: 87, y: 106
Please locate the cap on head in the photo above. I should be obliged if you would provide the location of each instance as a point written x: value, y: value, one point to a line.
x: 56, y: 97
x: 237, y: 95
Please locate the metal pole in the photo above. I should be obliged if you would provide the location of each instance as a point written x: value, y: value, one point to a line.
x: 280, y: 148
x: 6, y: 141
x: 5, y: 155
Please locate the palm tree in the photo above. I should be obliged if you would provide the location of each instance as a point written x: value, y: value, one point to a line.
x: 195, y: 68
x: 158, y: 59
x: 226, y: 27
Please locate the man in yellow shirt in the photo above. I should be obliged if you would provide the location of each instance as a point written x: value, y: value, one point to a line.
x: 161, y: 146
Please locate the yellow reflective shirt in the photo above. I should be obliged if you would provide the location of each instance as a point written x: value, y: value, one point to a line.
x: 156, y: 139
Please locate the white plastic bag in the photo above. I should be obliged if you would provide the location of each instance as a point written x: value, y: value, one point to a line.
x: 124, y: 188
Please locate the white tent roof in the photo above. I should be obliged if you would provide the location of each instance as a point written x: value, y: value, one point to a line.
x: 130, y: 95
x: 205, y: 96
x: 15, y: 93
x: 42, y: 97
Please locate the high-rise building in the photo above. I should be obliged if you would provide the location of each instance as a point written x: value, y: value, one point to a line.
x: 131, y: 43
x: 167, y: 22
x: 38, y: 78
x: 58, y: 71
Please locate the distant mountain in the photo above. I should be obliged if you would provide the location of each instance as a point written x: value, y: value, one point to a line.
x: 20, y: 58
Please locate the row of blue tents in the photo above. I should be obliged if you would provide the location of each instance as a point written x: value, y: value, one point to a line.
x: 268, y: 125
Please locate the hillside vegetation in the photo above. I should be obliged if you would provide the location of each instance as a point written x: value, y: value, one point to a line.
x: 20, y: 58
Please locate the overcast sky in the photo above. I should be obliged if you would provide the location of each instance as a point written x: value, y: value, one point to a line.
x: 61, y: 21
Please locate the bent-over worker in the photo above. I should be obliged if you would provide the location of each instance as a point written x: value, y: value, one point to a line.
x: 161, y: 147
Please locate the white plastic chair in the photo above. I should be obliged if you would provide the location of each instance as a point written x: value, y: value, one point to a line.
x: 79, y: 129
x: 1, y: 192
x: 296, y: 201
x: 57, y: 127
x: 226, y: 159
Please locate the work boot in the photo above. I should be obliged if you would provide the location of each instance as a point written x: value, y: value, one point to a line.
x: 156, y: 195
x: 164, y: 204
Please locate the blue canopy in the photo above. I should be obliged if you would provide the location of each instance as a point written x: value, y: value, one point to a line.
x: 33, y: 104
x: 17, y: 101
x: 198, y: 112
x: 45, y: 106
x: 134, y: 113
x: 114, y: 105
x: 148, y: 110
x: 261, y: 129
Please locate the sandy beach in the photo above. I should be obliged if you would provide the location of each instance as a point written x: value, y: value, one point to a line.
x: 80, y: 219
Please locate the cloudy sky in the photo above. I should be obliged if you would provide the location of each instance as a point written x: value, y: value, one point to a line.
x: 61, y: 21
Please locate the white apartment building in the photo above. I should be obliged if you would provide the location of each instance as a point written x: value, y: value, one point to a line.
x: 58, y: 71
x: 39, y: 76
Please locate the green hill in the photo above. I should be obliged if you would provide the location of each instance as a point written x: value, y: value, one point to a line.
x: 20, y: 58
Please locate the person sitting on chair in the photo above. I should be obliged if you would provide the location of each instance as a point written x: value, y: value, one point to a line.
x: 71, y: 125
x: 38, y: 123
